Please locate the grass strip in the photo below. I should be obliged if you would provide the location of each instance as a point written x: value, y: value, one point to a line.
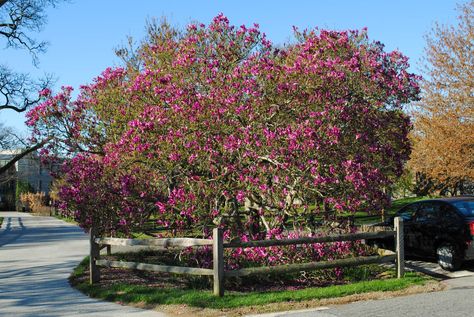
x: 126, y: 293
x: 66, y: 219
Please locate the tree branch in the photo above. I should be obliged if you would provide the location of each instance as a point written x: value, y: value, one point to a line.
x: 21, y: 155
x: 17, y: 90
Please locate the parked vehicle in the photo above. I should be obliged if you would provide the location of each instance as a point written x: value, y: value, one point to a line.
x: 441, y: 228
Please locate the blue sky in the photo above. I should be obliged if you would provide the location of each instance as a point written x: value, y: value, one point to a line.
x: 83, y: 33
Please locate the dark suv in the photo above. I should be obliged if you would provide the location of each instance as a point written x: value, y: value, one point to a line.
x: 442, y: 227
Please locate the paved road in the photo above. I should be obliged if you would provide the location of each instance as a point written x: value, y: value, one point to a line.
x: 455, y: 301
x: 37, y: 254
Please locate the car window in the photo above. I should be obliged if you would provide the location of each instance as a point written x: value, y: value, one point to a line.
x: 427, y: 211
x: 408, y: 212
x: 448, y: 213
x: 466, y: 207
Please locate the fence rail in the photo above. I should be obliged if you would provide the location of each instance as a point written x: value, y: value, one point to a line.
x: 310, y: 266
x: 162, y: 243
x: 310, y: 240
x: 218, y: 246
x: 155, y: 267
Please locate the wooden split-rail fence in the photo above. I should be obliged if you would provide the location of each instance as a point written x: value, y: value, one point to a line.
x: 218, y: 245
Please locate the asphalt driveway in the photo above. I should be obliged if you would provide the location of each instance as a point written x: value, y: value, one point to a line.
x: 37, y: 254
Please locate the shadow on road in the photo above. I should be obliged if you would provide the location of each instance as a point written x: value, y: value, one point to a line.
x: 431, y: 267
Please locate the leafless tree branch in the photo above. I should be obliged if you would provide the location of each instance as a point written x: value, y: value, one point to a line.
x: 20, y: 21
x: 16, y: 158
x: 18, y: 91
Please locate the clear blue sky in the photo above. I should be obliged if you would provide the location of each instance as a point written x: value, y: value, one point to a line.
x: 83, y: 33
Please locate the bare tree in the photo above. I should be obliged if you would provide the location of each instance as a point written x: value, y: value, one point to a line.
x: 20, y: 20
x: 18, y: 91
x: 9, y: 138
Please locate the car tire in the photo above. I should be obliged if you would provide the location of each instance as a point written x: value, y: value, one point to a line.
x: 448, y: 256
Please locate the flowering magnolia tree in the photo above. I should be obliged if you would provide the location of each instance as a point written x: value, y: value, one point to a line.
x: 216, y: 126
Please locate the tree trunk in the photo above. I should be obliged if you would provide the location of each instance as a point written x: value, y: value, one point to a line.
x: 21, y: 155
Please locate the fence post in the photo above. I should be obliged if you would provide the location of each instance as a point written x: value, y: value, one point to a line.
x: 94, y: 273
x: 398, y: 224
x: 218, y: 261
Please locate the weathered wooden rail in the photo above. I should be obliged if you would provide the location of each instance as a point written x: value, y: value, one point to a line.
x: 218, y: 246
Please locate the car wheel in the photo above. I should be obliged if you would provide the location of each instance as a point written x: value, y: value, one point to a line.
x: 448, y: 257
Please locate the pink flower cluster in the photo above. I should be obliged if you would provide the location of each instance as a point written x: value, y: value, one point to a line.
x: 277, y: 255
x: 217, y: 126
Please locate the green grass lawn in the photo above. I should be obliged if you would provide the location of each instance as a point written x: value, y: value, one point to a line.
x: 361, y: 218
x: 399, y: 203
x: 142, y: 294
x: 126, y: 293
x: 66, y: 219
